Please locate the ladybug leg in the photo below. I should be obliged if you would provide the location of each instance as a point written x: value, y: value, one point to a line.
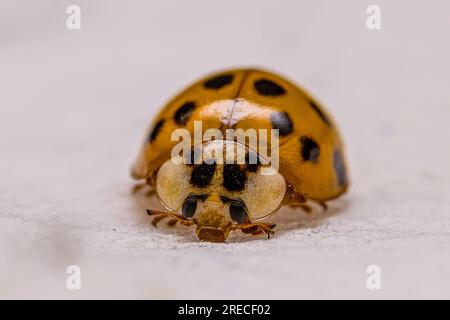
x: 267, y: 228
x: 257, y: 228
x: 257, y: 232
x: 160, y: 215
x: 172, y: 222
x: 249, y: 229
x: 323, y: 205
x: 138, y: 187
x: 299, y: 201
x: 305, y: 207
x: 296, y: 199
x: 158, y: 219
x: 143, y: 185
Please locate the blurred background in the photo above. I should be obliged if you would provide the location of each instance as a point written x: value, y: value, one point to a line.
x: 75, y: 106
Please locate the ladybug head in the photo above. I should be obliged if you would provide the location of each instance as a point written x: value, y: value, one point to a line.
x: 220, y: 195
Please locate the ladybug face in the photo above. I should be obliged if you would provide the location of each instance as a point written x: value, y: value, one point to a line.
x: 220, y: 195
x: 213, y: 219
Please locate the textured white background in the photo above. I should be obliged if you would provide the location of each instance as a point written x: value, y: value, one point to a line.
x: 74, y: 106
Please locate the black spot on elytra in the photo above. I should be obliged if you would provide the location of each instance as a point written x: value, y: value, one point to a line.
x: 319, y: 111
x: 233, y: 177
x: 156, y: 130
x: 339, y: 168
x: 268, y: 88
x: 310, y: 149
x: 202, y: 174
x: 219, y: 81
x: 184, y: 112
x: 282, y: 122
x: 252, y: 162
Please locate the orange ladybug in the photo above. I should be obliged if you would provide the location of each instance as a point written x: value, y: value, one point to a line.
x: 220, y: 196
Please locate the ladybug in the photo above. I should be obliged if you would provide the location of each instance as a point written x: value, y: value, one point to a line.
x: 222, y: 196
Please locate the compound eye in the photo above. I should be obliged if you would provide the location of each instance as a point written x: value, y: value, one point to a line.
x: 189, y: 207
x: 238, y: 212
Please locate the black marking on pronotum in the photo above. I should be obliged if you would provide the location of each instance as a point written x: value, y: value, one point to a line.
x: 233, y: 177
x: 319, y: 112
x: 219, y: 81
x: 184, y: 113
x: 202, y: 174
x: 156, y: 130
x: 282, y: 122
x: 309, y: 149
x: 268, y: 88
x: 339, y: 168
x: 252, y: 162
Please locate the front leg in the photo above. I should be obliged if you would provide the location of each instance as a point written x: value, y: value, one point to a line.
x: 149, y: 190
x: 160, y: 215
x: 257, y: 228
x: 299, y: 201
